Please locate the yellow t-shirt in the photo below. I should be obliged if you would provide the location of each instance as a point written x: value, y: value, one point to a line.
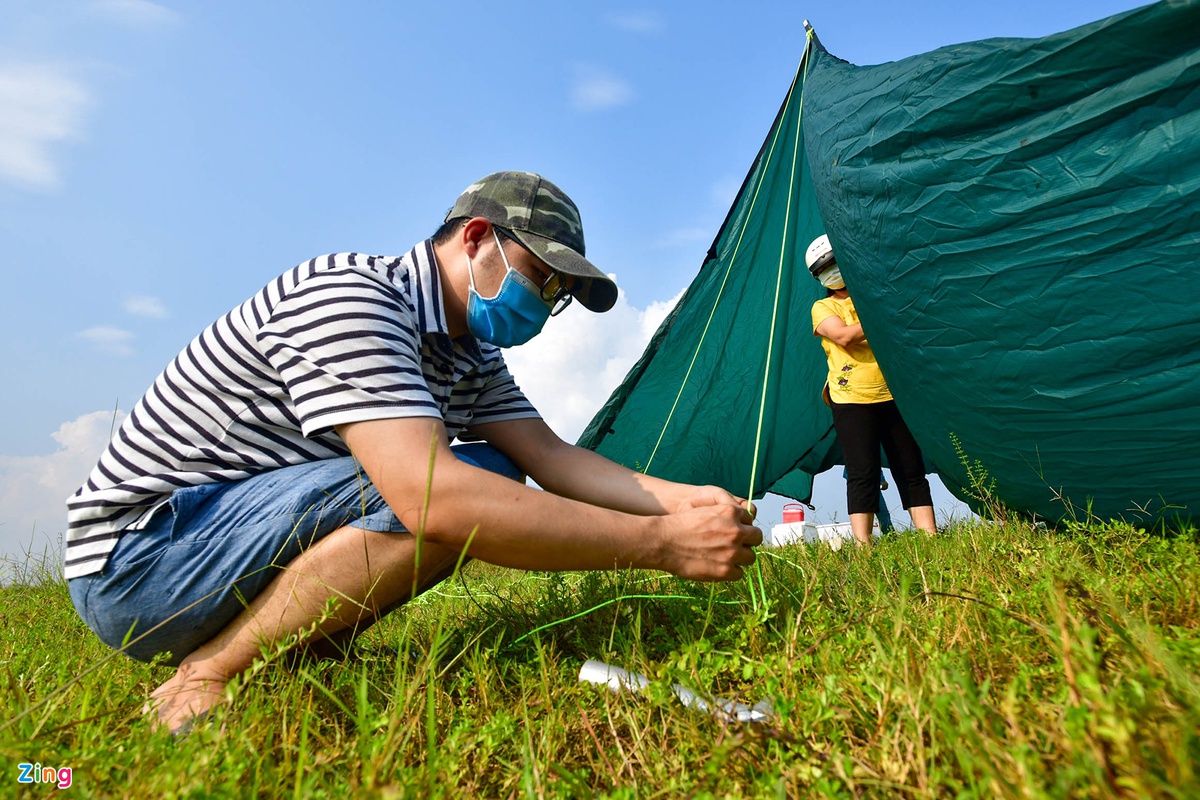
x: 854, y: 375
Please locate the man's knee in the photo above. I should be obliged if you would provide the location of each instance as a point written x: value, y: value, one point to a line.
x: 394, y: 558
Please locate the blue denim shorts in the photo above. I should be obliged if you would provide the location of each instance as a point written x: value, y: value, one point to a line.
x: 173, y: 585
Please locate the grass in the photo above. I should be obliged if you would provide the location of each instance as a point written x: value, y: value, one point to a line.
x: 997, y: 660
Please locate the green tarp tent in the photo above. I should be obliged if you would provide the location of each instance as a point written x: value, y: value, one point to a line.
x: 1018, y: 223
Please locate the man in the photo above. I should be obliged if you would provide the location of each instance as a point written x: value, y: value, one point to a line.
x: 283, y: 461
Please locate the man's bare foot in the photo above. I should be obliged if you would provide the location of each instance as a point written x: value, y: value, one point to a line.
x: 183, y: 700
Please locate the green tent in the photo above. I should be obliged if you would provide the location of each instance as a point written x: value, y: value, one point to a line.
x: 1018, y: 223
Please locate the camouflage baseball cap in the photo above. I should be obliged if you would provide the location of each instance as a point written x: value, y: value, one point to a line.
x: 541, y: 217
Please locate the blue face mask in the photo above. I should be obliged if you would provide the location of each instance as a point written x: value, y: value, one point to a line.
x: 514, y: 316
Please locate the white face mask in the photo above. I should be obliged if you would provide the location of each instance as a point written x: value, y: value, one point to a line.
x: 832, y: 278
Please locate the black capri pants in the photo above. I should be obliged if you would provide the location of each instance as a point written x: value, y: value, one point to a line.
x: 861, y: 429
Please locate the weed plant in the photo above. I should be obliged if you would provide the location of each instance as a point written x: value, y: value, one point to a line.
x: 994, y: 660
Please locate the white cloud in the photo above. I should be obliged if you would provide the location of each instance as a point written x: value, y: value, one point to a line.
x: 135, y: 13
x: 34, y: 489
x: 141, y: 305
x: 109, y: 340
x: 39, y: 106
x: 595, y: 90
x: 637, y: 21
x: 569, y: 371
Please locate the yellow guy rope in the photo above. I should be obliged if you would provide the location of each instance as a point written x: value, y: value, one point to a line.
x: 778, y: 283
x: 787, y: 216
x: 720, y: 292
x: 775, y: 310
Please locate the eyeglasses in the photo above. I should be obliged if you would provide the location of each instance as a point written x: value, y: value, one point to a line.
x: 555, y: 293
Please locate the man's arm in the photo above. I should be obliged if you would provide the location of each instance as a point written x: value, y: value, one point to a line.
x: 582, y: 475
x: 518, y: 526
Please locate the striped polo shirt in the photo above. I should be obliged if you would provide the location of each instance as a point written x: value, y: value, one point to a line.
x: 341, y: 338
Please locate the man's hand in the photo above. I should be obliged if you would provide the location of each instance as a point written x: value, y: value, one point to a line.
x: 709, y: 542
x: 702, y: 496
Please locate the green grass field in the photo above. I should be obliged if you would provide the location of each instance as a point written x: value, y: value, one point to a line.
x: 991, y: 661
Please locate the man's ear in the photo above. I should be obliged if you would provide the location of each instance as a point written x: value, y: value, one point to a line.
x: 475, y: 232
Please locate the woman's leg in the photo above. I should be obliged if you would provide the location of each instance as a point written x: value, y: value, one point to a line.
x: 857, y: 432
x: 908, y: 467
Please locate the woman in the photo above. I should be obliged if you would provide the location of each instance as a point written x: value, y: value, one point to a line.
x: 864, y: 413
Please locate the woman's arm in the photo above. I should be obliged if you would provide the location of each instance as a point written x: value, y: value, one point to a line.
x: 841, y: 334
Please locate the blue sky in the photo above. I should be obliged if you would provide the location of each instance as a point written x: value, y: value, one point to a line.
x: 161, y: 161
